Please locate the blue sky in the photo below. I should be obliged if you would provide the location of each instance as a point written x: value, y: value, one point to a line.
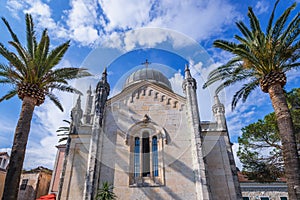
x: 121, y: 34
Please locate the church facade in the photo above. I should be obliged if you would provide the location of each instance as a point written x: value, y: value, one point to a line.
x: 149, y: 143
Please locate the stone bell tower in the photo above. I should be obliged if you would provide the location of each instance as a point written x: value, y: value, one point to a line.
x: 189, y: 87
x: 102, y: 92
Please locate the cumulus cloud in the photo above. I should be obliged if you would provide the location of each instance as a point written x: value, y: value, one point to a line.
x: 262, y: 7
x: 123, y: 14
x: 235, y: 148
x: 92, y: 22
x: 176, y: 83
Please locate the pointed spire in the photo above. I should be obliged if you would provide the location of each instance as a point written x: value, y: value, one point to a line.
x: 104, y: 75
x: 219, y: 113
x: 78, y: 103
x: 189, y: 81
x: 76, y: 115
x: 88, y: 106
x: 89, y: 91
x: 187, y: 72
x: 217, y: 100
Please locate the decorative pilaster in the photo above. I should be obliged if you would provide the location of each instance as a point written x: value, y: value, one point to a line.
x: 91, y: 180
x: 189, y: 87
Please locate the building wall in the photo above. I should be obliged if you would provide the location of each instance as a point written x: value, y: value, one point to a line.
x: 43, y: 184
x: 57, y: 169
x: 255, y: 190
x: 37, y: 185
x: 220, y: 174
x: 2, y: 181
x: 168, y: 113
x: 75, y: 172
x: 30, y: 192
x: 125, y: 112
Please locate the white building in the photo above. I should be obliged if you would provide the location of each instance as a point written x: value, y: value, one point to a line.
x: 149, y: 143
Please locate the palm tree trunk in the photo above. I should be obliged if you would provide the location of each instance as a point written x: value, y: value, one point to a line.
x: 286, y: 131
x: 15, y: 165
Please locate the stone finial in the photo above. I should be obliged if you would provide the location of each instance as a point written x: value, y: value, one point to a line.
x: 89, y: 91
x: 219, y: 113
x: 88, y: 106
x: 76, y: 115
x: 189, y: 81
x: 187, y: 72
x: 146, y: 118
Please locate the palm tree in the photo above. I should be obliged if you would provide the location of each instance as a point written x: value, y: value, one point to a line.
x: 262, y: 59
x: 32, y: 73
x: 106, y: 192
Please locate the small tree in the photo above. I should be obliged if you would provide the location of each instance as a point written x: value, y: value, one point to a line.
x: 263, y: 136
x: 106, y: 192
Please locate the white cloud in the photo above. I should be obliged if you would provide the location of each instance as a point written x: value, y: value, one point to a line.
x: 123, y: 14
x: 261, y: 7
x: 82, y: 20
x: 235, y: 148
x: 191, y: 17
x: 88, y: 25
x: 176, y: 83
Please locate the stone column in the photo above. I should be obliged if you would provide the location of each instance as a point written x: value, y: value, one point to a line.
x: 189, y: 87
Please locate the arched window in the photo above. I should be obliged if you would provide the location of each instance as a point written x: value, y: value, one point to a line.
x: 146, y: 155
x: 136, y: 157
x: 146, y: 158
x: 154, y: 156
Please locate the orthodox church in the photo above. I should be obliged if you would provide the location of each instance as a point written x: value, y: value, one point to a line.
x: 149, y: 143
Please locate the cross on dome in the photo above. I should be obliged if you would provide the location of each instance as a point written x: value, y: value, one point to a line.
x: 146, y: 63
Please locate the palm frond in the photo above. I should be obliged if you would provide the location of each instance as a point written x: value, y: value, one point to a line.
x: 21, y: 52
x: 5, y: 80
x: 63, y: 139
x: 9, y: 95
x: 31, y: 40
x: 13, y: 35
x: 292, y: 32
x: 69, y: 73
x: 56, y: 55
x: 67, y: 121
x: 279, y: 25
x: 42, y: 52
x: 254, y: 23
x: 64, y: 88
x: 244, y: 92
x: 270, y: 23
x: 62, y: 129
x: 12, y: 58
x: 225, y: 45
x: 244, y: 30
x: 55, y: 100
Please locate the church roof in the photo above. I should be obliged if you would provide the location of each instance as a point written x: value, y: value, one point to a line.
x: 148, y: 74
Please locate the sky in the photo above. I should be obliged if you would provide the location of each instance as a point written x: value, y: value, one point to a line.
x: 121, y: 35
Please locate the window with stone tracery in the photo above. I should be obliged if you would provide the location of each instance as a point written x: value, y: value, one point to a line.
x: 146, y: 158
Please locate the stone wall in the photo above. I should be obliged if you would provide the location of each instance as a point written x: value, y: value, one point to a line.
x: 2, y: 181
x: 255, y: 190
x: 166, y: 111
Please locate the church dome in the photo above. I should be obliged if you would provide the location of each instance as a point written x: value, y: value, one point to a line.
x: 148, y: 74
